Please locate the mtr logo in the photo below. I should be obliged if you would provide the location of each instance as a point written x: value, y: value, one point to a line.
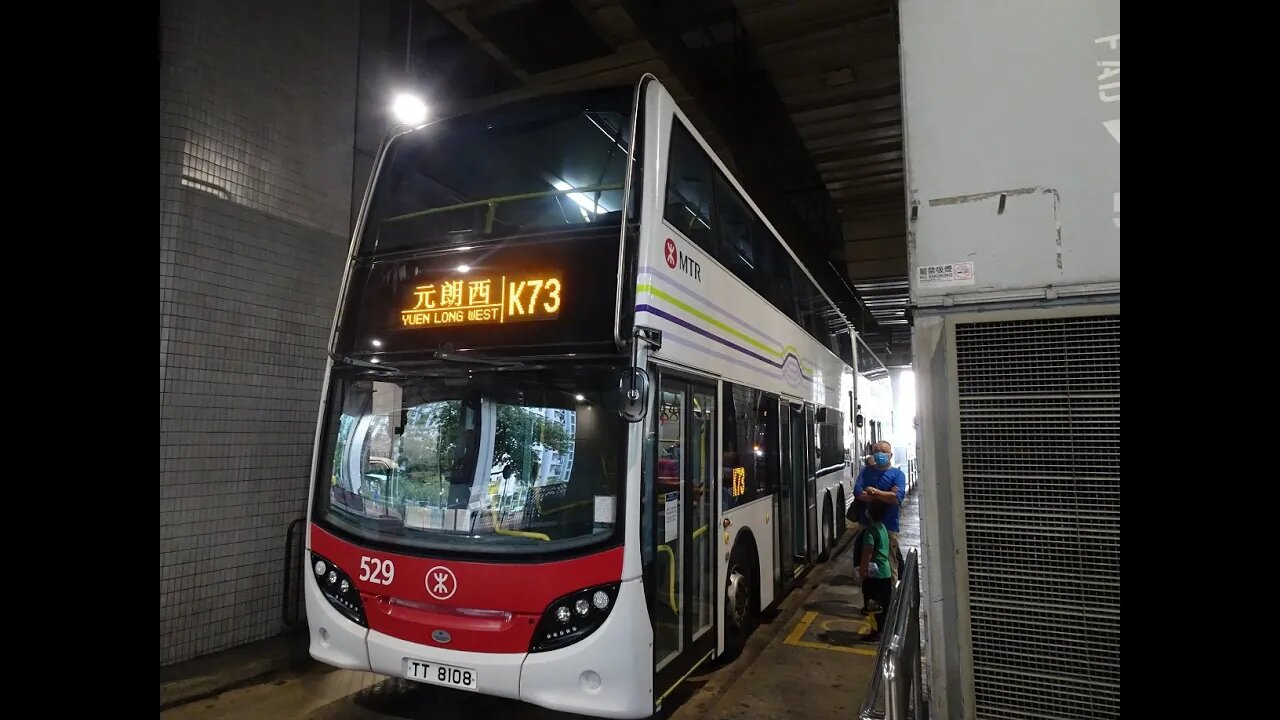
x: 675, y: 258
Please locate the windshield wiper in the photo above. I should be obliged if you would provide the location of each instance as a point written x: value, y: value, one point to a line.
x: 447, y: 355
x: 356, y: 362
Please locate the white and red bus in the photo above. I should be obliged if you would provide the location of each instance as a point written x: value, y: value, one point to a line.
x: 584, y: 415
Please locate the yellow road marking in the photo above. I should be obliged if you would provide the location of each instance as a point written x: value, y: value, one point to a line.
x: 860, y: 626
x: 799, y: 630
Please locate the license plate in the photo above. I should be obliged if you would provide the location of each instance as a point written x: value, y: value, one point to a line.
x: 437, y: 674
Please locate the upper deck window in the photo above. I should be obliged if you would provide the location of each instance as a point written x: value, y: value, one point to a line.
x: 536, y: 165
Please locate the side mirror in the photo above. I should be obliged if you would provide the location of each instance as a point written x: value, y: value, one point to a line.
x: 633, y: 394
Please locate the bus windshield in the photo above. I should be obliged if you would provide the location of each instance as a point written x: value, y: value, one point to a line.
x: 498, y: 462
x: 535, y: 165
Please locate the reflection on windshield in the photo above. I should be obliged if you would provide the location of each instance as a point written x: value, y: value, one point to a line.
x: 476, y: 468
x: 536, y: 165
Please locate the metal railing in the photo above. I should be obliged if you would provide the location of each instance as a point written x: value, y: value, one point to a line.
x: 293, y: 608
x: 896, y: 691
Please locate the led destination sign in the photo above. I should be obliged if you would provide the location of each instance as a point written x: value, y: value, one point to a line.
x: 477, y: 301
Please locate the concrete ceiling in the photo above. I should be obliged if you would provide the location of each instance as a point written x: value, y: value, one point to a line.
x: 801, y: 98
x: 835, y: 66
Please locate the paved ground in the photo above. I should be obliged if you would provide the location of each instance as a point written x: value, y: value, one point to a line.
x: 814, y: 668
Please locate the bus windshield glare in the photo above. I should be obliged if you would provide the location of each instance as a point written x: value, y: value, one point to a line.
x: 497, y: 462
x: 537, y: 165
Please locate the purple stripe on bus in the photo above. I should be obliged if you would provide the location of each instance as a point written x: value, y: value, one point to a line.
x: 686, y: 324
x: 667, y: 280
x: 680, y: 340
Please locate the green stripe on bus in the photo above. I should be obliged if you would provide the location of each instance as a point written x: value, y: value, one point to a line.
x: 641, y: 288
x: 703, y: 316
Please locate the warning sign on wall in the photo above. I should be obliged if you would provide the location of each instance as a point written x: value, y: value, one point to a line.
x: 948, y: 275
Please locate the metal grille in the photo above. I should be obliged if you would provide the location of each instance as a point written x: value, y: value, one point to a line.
x: 1040, y: 446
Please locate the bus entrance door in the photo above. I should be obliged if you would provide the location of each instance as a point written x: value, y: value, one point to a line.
x: 683, y: 561
x: 802, y: 444
x: 792, y: 525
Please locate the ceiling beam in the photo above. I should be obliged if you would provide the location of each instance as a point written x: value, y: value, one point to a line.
x: 835, y: 126
x: 892, y: 166
x: 456, y: 13
x: 876, y: 268
x: 862, y: 150
x: 869, y: 226
x: 891, y: 247
x: 885, y: 101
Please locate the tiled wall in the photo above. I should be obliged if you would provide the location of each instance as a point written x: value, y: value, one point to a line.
x: 256, y: 132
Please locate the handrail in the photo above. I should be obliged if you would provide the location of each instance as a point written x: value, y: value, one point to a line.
x: 289, y: 610
x: 671, y: 576
x: 499, y: 530
x: 501, y: 199
x: 896, y: 687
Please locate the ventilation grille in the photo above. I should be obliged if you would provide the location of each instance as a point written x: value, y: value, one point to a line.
x: 1040, y: 444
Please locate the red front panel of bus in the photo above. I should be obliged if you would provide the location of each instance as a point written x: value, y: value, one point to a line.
x: 466, y: 599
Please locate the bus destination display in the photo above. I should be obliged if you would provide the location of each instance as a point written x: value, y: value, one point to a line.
x: 482, y: 300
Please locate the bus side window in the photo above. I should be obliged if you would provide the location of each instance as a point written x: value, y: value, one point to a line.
x: 746, y: 451
x: 689, y: 193
x: 773, y: 280
x: 768, y: 431
x: 832, y: 451
x: 734, y: 224
x: 729, y: 496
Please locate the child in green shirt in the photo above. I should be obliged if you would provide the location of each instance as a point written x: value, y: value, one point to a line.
x: 877, y: 575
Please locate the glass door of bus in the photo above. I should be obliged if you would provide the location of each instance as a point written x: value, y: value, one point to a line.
x: 805, y: 466
x: 790, y: 501
x: 683, y: 568
x: 792, y: 525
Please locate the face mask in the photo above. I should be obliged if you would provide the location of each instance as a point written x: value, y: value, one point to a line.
x: 881, y: 458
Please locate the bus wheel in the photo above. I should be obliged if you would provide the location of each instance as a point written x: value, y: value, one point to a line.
x: 842, y: 522
x: 739, y: 606
x: 827, y: 541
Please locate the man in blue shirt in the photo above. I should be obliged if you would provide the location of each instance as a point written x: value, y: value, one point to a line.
x: 888, y: 485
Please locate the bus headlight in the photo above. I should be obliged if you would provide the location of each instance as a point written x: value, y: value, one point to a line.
x: 337, y: 588
x: 573, y: 617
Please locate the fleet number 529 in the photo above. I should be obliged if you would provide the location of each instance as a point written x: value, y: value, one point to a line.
x: 377, y: 571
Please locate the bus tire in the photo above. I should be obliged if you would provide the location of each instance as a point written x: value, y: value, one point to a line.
x: 741, y: 599
x: 842, y: 523
x: 826, y: 528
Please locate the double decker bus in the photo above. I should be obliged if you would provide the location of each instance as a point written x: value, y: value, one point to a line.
x: 584, y: 415
x: 874, y: 413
